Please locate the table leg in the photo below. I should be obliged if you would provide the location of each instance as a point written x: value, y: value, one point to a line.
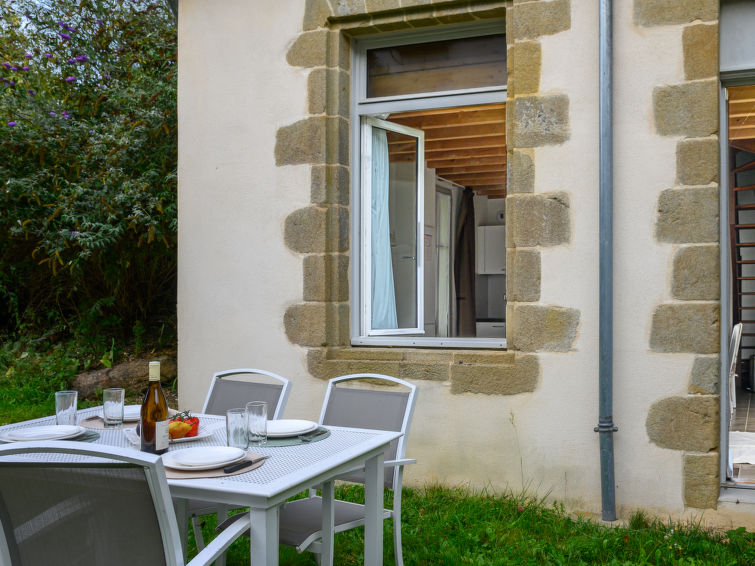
x: 222, y: 511
x: 263, y: 536
x: 328, y: 516
x: 373, y: 502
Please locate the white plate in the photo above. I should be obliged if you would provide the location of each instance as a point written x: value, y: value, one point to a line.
x: 289, y: 427
x: 131, y: 413
x: 206, y: 456
x: 203, y: 432
x: 49, y: 432
x: 210, y: 454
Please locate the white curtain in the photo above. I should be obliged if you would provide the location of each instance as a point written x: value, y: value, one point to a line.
x: 383, y: 293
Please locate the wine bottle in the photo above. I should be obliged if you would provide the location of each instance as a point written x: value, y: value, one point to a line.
x: 154, y: 416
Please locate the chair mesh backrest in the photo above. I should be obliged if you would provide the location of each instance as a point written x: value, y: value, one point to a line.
x: 230, y: 393
x: 368, y: 408
x: 78, y: 515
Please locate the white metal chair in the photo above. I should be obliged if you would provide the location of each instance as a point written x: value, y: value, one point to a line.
x: 78, y: 504
x: 380, y: 403
x: 734, y: 342
x: 234, y: 388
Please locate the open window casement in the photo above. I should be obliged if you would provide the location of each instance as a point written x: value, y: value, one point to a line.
x: 392, y: 228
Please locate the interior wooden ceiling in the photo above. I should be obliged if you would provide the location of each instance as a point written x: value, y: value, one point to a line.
x: 466, y: 145
x: 742, y: 117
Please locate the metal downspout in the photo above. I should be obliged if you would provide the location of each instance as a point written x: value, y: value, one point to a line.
x: 605, y: 426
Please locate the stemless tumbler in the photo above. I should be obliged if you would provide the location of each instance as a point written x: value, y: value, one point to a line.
x: 65, y: 407
x: 112, y: 406
x: 235, y: 425
x: 257, y: 415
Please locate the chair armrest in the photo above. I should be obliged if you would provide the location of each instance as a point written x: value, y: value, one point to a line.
x: 220, y: 543
x: 401, y: 462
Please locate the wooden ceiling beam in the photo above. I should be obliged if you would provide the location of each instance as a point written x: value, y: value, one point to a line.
x: 461, y: 118
x: 438, y: 163
x: 477, y: 169
x: 438, y: 111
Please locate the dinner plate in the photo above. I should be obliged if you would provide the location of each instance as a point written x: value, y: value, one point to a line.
x: 131, y: 413
x: 203, y: 432
x: 203, y: 458
x: 281, y: 428
x: 49, y: 432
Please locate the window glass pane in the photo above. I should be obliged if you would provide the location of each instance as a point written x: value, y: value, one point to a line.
x: 394, y: 230
x: 472, y: 62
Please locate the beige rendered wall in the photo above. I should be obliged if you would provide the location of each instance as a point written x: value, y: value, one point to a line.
x: 238, y: 279
x: 236, y: 276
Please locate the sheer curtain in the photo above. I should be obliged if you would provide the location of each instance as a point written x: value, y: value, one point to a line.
x: 383, y: 293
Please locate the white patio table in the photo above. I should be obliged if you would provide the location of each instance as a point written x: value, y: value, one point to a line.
x: 288, y: 471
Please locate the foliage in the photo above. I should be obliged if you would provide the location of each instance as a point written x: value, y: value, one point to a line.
x: 87, y: 164
x: 455, y: 527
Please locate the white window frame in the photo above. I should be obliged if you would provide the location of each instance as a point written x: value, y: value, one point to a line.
x: 364, y: 107
x: 367, y: 124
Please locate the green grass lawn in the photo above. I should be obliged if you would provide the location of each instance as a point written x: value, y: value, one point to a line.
x: 440, y: 525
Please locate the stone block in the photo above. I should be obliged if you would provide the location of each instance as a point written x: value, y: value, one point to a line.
x: 483, y: 357
x: 688, y: 109
x: 337, y: 140
x: 701, y: 482
x: 317, y: 324
x: 688, y: 215
x: 321, y: 366
x: 684, y: 423
x: 538, y: 220
x: 520, y: 171
x: 427, y: 371
x: 533, y: 19
x: 539, y: 120
x: 522, y: 275
x: 700, y: 43
x: 541, y: 328
x: 305, y: 230
x: 390, y: 22
x: 338, y: 50
x: 309, y: 50
x: 422, y: 20
x: 496, y: 379
x: 316, y: 14
x: 525, y: 57
x: 326, y: 277
x: 301, y: 142
x: 666, y: 12
x: 348, y: 7
x: 704, y: 379
x: 454, y: 15
x: 373, y: 6
x: 695, y: 276
x: 697, y: 161
x: 328, y: 91
x: 487, y: 11
x: 686, y: 327
x: 371, y: 354
x: 330, y: 184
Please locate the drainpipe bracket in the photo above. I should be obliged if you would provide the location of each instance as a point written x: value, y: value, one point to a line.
x: 606, y: 428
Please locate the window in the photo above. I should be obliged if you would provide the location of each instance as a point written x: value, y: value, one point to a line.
x: 430, y: 171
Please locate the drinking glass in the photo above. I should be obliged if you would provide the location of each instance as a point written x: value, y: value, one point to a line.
x: 65, y: 407
x: 112, y: 406
x: 257, y: 416
x: 235, y: 426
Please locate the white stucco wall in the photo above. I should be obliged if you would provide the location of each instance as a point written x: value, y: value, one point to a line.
x: 236, y: 276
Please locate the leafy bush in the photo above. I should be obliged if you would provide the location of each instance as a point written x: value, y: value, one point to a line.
x: 87, y: 164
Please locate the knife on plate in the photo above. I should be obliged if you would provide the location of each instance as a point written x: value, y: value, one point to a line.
x: 243, y: 464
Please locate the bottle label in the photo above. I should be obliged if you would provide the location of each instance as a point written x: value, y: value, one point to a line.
x: 162, y: 438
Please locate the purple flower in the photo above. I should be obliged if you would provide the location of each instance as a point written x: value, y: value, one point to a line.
x: 25, y: 68
x: 64, y: 35
x: 48, y: 55
x: 106, y: 76
x: 53, y: 114
x: 66, y: 115
x: 81, y: 58
x: 74, y: 233
x: 70, y: 79
x: 28, y: 55
x: 30, y: 91
x: 3, y: 79
x: 100, y: 23
x: 12, y: 83
x: 6, y: 65
x: 14, y: 68
x: 71, y: 61
x: 12, y: 124
x: 61, y: 23
x: 91, y: 131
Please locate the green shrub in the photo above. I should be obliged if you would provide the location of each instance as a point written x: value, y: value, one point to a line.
x: 87, y: 164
